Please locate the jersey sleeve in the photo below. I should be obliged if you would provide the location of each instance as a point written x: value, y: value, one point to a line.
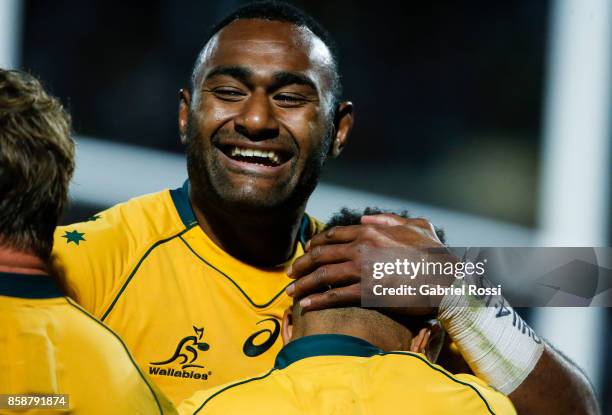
x: 500, y: 404
x: 89, y: 257
x: 92, y: 259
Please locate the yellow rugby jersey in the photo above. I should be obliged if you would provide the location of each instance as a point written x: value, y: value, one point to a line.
x: 49, y: 345
x: 192, y: 315
x: 337, y: 374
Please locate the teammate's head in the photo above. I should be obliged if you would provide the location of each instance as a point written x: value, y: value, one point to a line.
x: 263, y: 112
x: 422, y: 335
x: 36, y: 163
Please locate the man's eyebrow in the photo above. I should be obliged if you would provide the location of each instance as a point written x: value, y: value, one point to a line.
x: 282, y: 79
x: 240, y: 73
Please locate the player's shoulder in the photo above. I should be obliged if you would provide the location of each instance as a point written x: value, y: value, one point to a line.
x: 497, y: 401
x: 98, y: 345
x: 418, y: 365
x: 230, y: 397
x: 61, y: 322
x: 92, y: 258
x: 138, y: 222
x: 154, y: 212
x: 93, y: 336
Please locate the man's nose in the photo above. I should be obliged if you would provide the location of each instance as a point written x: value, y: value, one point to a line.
x: 257, y: 120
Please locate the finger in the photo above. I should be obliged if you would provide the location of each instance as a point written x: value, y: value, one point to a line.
x: 335, y: 235
x: 333, y: 275
x: 394, y: 220
x: 426, y: 227
x: 317, y: 256
x: 422, y: 223
x: 338, y: 297
x: 383, y: 219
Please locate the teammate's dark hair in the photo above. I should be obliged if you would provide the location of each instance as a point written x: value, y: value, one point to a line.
x: 346, y: 217
x: 374, y: 320
x: 36, y: 163
x: 281, y: 12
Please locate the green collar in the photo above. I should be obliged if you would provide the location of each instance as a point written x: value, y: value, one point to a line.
x: 180, y: 197
x: 324, y: 345
x: 28, y: 286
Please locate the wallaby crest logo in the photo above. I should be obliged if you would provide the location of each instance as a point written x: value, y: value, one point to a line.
x: 186, y: 352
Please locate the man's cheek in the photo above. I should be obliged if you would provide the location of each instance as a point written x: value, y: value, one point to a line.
x: 213, y: 113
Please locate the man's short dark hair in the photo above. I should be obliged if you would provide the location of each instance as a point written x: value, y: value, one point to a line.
x: 36, y: 163
x: 346, y: 217
x: 376, y: 318
x: 280, y: 12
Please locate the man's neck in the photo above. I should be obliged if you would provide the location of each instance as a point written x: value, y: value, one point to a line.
x: 20, y: 262
x: 376, y: 328
x: 263, y: 240
x: 384, y: 341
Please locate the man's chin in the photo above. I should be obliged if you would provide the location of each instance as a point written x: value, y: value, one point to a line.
x: 247, y: 197
x: 254, y: 195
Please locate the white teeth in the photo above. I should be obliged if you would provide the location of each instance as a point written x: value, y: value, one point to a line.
x: 247, y: 152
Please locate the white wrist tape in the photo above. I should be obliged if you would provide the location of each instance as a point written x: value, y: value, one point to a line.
x: 497, y: 344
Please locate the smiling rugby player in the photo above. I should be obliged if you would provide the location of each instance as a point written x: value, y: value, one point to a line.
x: 193, y: 279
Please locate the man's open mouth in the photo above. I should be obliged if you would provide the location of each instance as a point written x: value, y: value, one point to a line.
x: 270, y: 158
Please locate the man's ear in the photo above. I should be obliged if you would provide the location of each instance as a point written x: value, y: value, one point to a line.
x: 287, y: 326
x: 420, y: 341
x: 183, y: 113
x: 343, y: 124
x: 429, y: 340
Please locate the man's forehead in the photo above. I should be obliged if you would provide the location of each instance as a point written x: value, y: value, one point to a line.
x: 256, y: 41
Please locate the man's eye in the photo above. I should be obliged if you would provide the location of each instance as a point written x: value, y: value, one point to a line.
x: 228, y: 94
x: 290, y: 99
